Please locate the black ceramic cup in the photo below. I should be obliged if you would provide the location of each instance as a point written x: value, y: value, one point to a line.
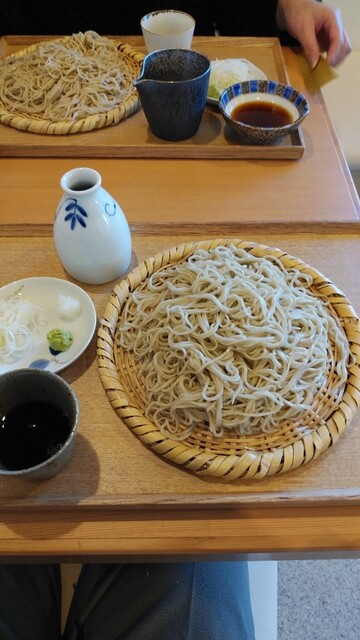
x: 38, y: 423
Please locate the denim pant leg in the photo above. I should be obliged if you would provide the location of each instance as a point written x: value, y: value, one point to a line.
x: 167, y: 601
x: 30, y: 602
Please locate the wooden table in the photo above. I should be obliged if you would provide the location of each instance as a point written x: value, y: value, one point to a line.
x: 116, y: 499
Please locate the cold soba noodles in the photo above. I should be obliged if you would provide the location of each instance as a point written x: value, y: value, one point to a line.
x: 230, y: 340
x: 71, y: 79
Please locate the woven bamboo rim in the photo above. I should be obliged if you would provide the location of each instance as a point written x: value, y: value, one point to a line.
x: 133, y: 60
x: 231, y: 457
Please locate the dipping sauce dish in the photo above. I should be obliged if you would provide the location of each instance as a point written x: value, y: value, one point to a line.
x: 262, y: 111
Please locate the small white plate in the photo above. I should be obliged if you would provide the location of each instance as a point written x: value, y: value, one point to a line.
x: 247, y: 71
x: 43, y: 292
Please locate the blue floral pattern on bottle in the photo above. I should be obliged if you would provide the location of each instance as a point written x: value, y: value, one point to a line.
x: 76, y: 213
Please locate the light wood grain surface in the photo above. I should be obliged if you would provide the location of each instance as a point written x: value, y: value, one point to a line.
x: 116, y: 499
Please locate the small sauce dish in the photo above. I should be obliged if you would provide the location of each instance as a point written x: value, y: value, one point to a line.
x: 262, y: 112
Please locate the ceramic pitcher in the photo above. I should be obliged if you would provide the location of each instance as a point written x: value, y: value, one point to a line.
x: 91, y: 234
x: 173, y: 90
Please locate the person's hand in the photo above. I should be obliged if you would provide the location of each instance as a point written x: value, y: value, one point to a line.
x: 317, y: 27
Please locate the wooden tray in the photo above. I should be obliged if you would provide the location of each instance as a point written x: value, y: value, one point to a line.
x: 131, y: 138
x: 111, y: 469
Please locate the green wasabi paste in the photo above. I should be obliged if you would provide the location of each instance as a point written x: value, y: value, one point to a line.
x: 59, y: 339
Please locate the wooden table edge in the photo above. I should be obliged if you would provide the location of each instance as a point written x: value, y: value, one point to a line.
x: 246, y: 533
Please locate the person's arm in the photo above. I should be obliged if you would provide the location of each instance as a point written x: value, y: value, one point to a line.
x: 317, y: 27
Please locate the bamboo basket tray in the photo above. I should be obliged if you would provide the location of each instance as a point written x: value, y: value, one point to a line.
x: 234, y: 456
x: 133, y: 60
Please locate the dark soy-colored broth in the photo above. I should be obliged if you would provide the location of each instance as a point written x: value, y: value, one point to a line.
x: 30, y: 433
x: 262, y: 114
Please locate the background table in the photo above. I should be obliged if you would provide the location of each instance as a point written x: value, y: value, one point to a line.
x: 318, y: 187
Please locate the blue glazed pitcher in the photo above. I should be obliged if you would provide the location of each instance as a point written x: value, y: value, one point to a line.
x: 173, y: 89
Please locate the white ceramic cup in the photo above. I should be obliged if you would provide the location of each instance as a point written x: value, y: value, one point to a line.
x: 167, y: 29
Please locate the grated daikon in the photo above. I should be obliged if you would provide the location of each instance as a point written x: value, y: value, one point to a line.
x: 68, y: 308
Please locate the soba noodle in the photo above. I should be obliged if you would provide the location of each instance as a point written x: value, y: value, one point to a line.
x: 65, y: 81
x: 230, y: 340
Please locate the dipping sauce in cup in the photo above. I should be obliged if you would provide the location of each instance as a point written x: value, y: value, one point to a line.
x: 38, y: 423
x: 167, y: 29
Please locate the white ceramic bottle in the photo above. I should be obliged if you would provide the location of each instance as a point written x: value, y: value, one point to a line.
x: 91, y: 234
